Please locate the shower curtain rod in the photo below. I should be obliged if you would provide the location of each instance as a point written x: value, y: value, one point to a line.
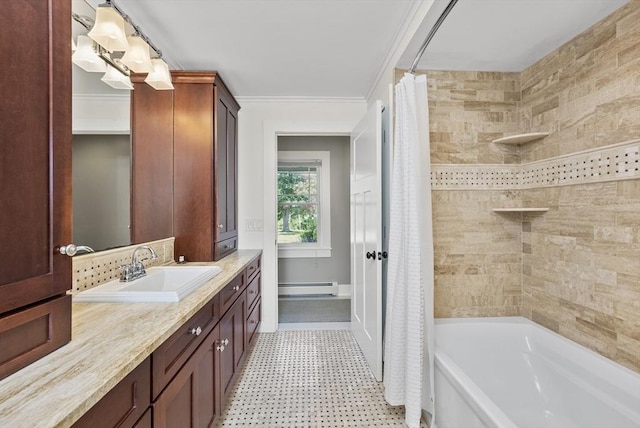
x: 432, y: 33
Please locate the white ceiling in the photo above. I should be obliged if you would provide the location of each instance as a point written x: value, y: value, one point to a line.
x: 336, y: 48
x: 502, y: 35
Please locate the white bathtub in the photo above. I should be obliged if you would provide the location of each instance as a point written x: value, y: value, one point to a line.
x: 511, y: 372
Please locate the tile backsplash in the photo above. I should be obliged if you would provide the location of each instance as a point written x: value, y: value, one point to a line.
x: 90, y: 270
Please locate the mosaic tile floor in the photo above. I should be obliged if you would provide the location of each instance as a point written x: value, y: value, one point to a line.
x: 308, y: 379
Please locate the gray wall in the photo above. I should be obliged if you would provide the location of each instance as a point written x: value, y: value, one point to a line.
x: 101, y: 183
x: 336, y: 267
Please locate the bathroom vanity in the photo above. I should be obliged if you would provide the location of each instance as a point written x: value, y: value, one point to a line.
x: 145, y: 364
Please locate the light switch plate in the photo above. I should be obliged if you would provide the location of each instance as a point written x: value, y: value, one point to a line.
x: 254, y: 225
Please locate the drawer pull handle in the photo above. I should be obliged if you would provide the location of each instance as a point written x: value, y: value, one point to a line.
x: 253, y: 322
x: 225, y: 342
x: 252, y: 268
x: 196, y: 331
x: 236, y: 287
x: 252, y: 291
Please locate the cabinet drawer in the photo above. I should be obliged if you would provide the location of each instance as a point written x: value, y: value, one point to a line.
x: 253, y: 321
x: 253, y: 268
x: 253, y: 290
x: 124, y: 404
x: 231, y: 291
x: 175, y: 351
x: 34, y: 332
x: 224, y: 248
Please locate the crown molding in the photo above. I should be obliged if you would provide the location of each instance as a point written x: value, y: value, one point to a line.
x: 294, y: 99
x: 401, y: 41
x: 102, y: 97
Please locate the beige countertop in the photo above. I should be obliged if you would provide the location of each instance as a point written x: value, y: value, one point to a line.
x: 108, y: 341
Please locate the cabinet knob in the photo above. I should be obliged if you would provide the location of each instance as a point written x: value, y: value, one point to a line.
x: 220, y: 348
x: 236, y: 287
x: 221, y: 226
x: 225, y: 342
x: 195, y: 331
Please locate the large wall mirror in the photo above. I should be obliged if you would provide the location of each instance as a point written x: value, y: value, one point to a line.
x: 101, y: 155
x: 101, y: 190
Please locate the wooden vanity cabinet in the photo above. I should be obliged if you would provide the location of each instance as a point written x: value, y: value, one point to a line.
x: 199, y: 118
x: 35, y: 165
x: 205, y: 166
x: 169, y: 357
x: 191, y: 399
x: 232, y: 335
x: 124, y: 405
x: 189, y: 378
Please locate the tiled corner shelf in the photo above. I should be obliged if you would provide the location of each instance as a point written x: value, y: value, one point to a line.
x: 521, y: 138
x: 521, y: 210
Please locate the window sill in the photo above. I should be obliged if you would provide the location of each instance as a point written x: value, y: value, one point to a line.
x: 299, y: 253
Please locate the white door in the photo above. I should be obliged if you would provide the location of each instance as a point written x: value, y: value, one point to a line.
x: 366, y: 237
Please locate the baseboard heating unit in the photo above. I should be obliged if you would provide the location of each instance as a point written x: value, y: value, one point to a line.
x: 307, y: 288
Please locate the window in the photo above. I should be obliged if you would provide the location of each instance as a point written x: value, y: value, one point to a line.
x: 304, y: 223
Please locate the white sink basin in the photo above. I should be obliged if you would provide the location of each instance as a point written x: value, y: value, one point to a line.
x: 162, y: 284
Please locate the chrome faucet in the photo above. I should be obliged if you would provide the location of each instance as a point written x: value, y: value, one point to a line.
x: 136, y: 269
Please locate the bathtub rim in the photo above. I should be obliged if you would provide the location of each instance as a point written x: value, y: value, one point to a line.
x: 470, y: 390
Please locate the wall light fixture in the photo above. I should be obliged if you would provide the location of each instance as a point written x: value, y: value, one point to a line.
x: 115, y: 46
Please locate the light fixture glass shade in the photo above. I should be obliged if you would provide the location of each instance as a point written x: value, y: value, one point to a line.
x: 86, y: 57
x: 115, y: 79
x: 159, y: 78
x: 137, y: 57
x: 108, y: 30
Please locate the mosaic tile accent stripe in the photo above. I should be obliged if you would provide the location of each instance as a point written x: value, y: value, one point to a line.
x: 615, y: 162
x: 308, y: 379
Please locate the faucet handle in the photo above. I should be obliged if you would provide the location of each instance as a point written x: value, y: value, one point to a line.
x: 126, y: 272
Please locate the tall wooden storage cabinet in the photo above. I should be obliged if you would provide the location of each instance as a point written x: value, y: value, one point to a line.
x: 204, y: 169
x: 35, y: 180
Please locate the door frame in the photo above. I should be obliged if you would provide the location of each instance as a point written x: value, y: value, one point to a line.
x: 271, y: 131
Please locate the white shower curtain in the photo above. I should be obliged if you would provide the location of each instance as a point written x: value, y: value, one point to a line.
x: 409, y: 341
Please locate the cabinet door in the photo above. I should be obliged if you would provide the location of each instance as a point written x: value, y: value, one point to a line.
x: 232, y: 333
x: 226, y: 165
x: 193, y: 171
x: 125, y: 404
x: 35, y: 151
x: 191, y: 400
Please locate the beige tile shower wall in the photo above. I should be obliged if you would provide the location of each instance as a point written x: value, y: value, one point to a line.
x: 587, y: 92
x: 477, y: 254
x: 469, y: 109
x: 581, y: 260
x: 581, y: 266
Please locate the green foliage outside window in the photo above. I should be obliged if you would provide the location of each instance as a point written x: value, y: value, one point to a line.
x: 297, y: 204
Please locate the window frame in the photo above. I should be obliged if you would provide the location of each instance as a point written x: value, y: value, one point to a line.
x: 321, y: 248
